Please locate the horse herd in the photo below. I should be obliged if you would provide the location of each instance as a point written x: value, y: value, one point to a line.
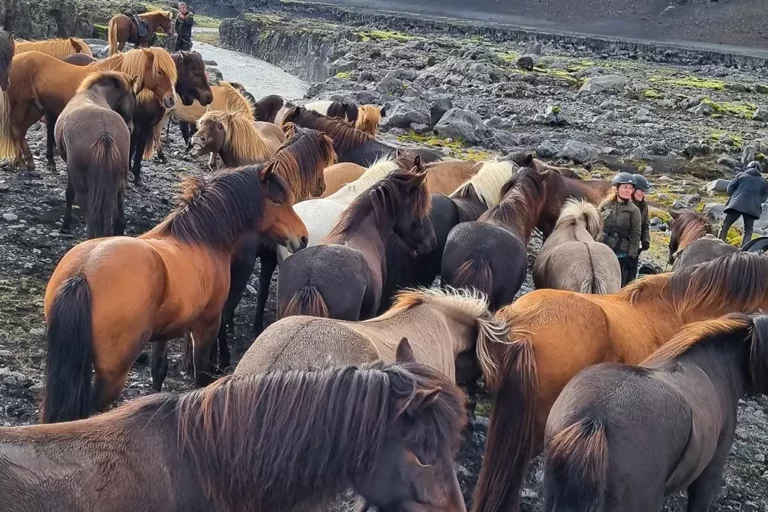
x: 630, y: 393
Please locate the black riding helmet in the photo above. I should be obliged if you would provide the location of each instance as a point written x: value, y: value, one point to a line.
x: 623, y: 178
x: 641, y: 183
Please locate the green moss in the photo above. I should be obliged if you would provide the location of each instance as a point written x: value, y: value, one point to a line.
x: 744, y: 110
x: 456, y: 148
x: 344, y: 75
x: 716, y: 135
x: 691, y: 82
x: 734, y: 237
x: 100, y: 31
x: 652, y: 94
x: 385, y: 35
x: 203, y: 21
x: 211, y: 38
x: 509, y: 56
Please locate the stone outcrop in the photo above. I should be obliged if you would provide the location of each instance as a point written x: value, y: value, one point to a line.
x: 38, y: 19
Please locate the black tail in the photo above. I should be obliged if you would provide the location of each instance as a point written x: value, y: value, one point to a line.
x: 474, y: 273
x: 69, y: 365
x: 106, y: 175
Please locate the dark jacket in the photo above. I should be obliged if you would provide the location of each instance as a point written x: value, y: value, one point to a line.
x: 748, y: 191
x: 645, y: 232
x: 184, y: 27
x: 621, y: 226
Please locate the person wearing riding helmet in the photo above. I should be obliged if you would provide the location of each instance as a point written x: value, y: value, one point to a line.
x: 622, y: 226
x: 642, y: 187
x: 746, y: 195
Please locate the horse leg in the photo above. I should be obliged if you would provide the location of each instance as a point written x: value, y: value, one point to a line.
x: 141, y: 143
x: 203, y: 339
x: 120, y: 219
x: 28, y: 158
x: 704, y: 490
x: 186, y: 132
x: 65, y: 225
x: 240, y: 270
x: 50, y: 162
x: 268, y: 266
x: 159, y: 364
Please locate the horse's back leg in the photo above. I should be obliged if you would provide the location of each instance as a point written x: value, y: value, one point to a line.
x: 704, y: 490
x: 240, y: 270
x: 159, y: 364
x: 203, y: 339
x: 268, y: 266
x: 51, y: 118
x: 141, y: 142
x: 67, y: 222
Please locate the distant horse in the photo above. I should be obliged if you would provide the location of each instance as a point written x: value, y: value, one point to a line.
x: 108, y: 297
x: 491, y: 254
x: 344, y: 276
x: 560, y: 189
x: 58, y: 48
x: 369, y: 118
x: 93, y: 137
x: 596, y: 458
x: 351, y: 145
x: 554, y: 334
x: 44, y: 85
x: 692, y: 240
x: 571, y: 259
x: 122, y: 29
x: 7, y: 51
x: 278, y: 442
x: 346, y: 111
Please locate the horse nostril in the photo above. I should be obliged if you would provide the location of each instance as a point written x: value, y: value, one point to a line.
x: 304, y: 241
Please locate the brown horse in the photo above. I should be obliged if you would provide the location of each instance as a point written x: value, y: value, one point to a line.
x: 343, y: 277
x: 44, y: 85
x: 448, y: 175
x: 93, y: 137
x: 108, y: 297
x: 58, y: 48
x: 368, y: 119
x: 490, y: 254
x: 596, y: 457
x: 7, y: 51
x: 122, y: 29
x: 263, y: 443
x: 692, y: 240
x: 338, y: 175
x: 571, y: 259
x: 554, y: 334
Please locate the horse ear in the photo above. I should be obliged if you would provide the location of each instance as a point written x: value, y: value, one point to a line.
x: 404, y: 353
x: 289, y: 129
x: 675, y: 214
x: 149, y: 55
x: 382, y: 110
x: 528, y: 160
x: 423, y: 398
x: 11, y: 37
x: 136, y: 85
x: 267, y: 171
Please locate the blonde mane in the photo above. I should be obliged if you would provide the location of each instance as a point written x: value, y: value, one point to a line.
x: 488, y: 181
x: 58, y: 48
x: 376, y: 172
x: 235, y: 101
x: 368, y: 119
x: 152, y: 14
x: 581, y: 211
x: 241, y: 136
x: 134, y: 64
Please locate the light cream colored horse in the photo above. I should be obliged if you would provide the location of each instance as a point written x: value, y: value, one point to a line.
x: 571, y: 259
x: 448, y: 330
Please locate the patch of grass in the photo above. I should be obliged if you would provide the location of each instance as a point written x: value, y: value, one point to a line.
x: 211, y: 38
x: 734, y: 237
x: 652, y: 94
x: 743, y: 110
x: 100, y: 31
x: 659, y: 249
x: 344, y: 75
x: 456, y: 148
x: 738, y: 140
x: 560, y: 74
x: 508, y: 56
x: 690, y: 82
x: 203, y: 21
x: 658, y: 213
x: 385, y: 35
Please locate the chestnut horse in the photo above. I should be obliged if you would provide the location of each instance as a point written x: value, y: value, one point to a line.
x: 122, y: 29
x: 554, y: 334
x: 264, y: 443
x: 369, y: 118
x: 344, y: 276
x: 491, y: 254
x: 605, y: 448
x: 108, y: 297
x: 58, y: 48
x: 93, y: 137
x: 44, y: 85
x: 692, y: 240
x: 7, y: 51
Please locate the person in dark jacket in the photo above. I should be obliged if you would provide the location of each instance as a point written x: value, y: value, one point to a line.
x: 622, y: 225
x: 184, y: 22
x: 746, y: 195
x: 642, y: 187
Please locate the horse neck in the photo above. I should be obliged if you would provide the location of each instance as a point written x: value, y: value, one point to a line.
x: 229, y: 159
x: 368, y: 235
x: 520, y: 226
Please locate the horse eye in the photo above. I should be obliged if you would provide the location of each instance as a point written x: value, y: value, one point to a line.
x: 220, y: 126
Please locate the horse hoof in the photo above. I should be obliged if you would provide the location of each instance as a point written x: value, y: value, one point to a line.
x: 51, y: 165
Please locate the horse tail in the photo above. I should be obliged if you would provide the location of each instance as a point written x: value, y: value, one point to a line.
x: 8, y: 148
x: 511, y: 433
x: 68, y: 368
x: 306, y: 301
x: 105, y: 176
x: 112, y: 38
x: 474, y: 273
x: 576, y: 468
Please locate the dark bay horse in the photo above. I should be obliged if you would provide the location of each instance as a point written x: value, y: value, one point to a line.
x: 343, y: 277
x: 122, y: 29
x: 267, y: 107
x: 93, y: 136
x: 491, y: 254
x: 554, y: 334
x: 622, y: 437
x: 7, y: 50
x: 692, y: 240
x: 108, y: 297
x: 351, y: 144
x: 279, y: 442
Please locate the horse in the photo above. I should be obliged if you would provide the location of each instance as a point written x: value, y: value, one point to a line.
x: 58, y: 48
x: 278, y: 442
x: 345, y: 111
x: 351, y: 144
x: 7, y: 51
x: 108, y: 297
x: 300, y: 162
x: 369, y: 118
x: 46, y: 85
x: 122, y: 29
x: 758, y: 245
x: 343, y: 277
x: 692, y: 240
x: 571, y: 259
x: 338, y: 175
x: 554, y: 334
x: 267, y: 107
x: 448, y: 175
x: 490, y: 254
x: 93, y: 137
x: 596, y: 457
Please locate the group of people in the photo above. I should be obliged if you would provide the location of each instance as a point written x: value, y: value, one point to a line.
x: 626, y: 228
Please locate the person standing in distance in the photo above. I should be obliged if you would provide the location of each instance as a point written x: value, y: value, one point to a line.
x: 622, y: 226
x: 746, y: 195
x: 184, y: 22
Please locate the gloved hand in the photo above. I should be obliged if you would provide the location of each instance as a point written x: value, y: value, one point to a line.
x: 644, y: 246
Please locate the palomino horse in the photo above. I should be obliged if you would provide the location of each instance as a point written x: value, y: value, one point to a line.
x: 597, y: 458
x: 344, y: 276
x: 45, y: 85
x: 93, y: 137
x: 448, y: 175
x: 7, y: 51
x: 58, y: 48
x: 491, y: 253
x: 279, y: 442
x: 369, y: 118
x: 554, y: 334
x: 692, y: 240
x: 571, y: 259
x: 336, y: 109
x: 122, y: 29
x: 108, y: 297
x: 351, y: 144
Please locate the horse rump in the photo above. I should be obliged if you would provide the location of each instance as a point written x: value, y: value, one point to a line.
x: 307, y: 301
x: 106, y: 177
x: 474, y: 273
x: 67, y: 395
x: 576, y: 468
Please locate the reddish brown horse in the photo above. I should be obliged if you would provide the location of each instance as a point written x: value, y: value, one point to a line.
x: 122, y: 29
x: 280, y: 442
x: 108, y: 297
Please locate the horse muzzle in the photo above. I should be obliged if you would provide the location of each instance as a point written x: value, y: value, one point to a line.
x: 169, y: 102
x: 294, y: 244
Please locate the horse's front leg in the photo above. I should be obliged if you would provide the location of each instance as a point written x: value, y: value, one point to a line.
x: 159, y: 364
x: 141, y: 144
x: 268, y: 266
x: 51, y: 119
x: 203, y: 339
x: 26, y: 155
x: 65, y: 225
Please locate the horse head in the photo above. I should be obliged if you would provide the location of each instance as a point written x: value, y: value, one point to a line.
x: 192, y: 83
x: 279, y: 221
x: 210, y: 136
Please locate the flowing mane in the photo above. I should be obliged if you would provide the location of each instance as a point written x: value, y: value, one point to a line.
x: 576, y: 211
x: 486, y: 185
x: 523, y: 197
x: 368, y: 119
x: 134, y: 64
x: 241, y: 136
x: 157, y: 14
x: 687, y: 228
x: 217, y: 212
x: 58, y: 48
x: 235, y: 100
x: 302, y: 159
x: 100, y: 77
x: 373, y: 174
x: 335, y: 422
x: 345, y: 136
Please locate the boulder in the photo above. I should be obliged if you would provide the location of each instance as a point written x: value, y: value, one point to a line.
x: 390, y: 85
x: 554, y: 116
x: 715, y: 213
x: 546, y: 149
x: 696, y: 149
x: 702, y: 109
x: 462, y: 125
x: 717, y: 186
x: 604, y: 83
x: 761, y: 114
x: 762, y: 89
x: 687, y: 201
x: 730, y: 162
x: 525, y: 63
x: 403, y: 116
x: 437, y: 110
x: 580, y: 152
